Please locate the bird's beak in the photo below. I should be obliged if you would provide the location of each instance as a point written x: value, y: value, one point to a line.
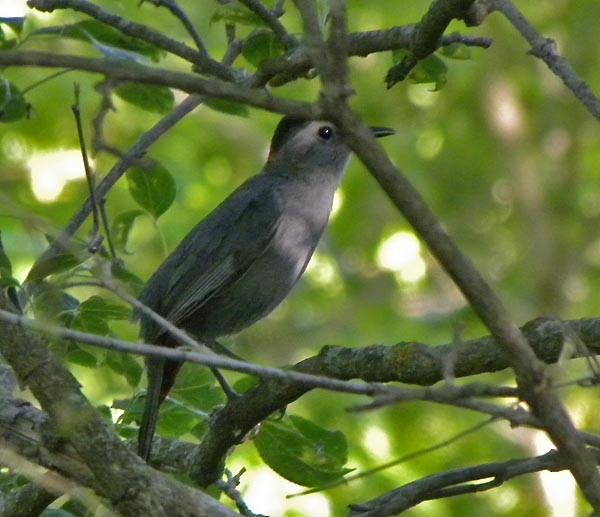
x: 381, y: 131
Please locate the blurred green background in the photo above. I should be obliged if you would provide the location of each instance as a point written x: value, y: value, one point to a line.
x: 505, y: 156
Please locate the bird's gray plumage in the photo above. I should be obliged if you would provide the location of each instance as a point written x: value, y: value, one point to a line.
x: 241, y: 261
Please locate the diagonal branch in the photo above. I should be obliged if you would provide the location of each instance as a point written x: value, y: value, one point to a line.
x: 535, y: 383
x: 545, y: 49
x: 456, y: 482
x: 200, y: 58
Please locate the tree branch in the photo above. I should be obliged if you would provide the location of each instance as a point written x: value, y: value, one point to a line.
x: 130, y: 485
x: 200, y: 58
x: 457, y: 482
x: 535, y: 384
x: 545, y: 49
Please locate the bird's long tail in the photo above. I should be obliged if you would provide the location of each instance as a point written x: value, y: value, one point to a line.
x: 161, y: 377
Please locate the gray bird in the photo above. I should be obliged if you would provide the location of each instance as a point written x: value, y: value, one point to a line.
x: 237, y: 264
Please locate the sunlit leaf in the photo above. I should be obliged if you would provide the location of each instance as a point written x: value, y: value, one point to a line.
x: 14, y: 22
x: 152, y: 188
x: 301, y: 451
x: 151, y: 97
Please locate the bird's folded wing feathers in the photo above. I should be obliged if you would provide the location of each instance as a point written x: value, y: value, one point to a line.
x: 221, y: 263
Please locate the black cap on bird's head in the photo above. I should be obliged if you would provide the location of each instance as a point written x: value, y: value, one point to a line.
x: 290, y: 125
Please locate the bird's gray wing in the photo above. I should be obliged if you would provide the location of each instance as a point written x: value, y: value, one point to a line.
x: 220, y: 249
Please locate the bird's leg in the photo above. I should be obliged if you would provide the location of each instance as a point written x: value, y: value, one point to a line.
x: 218, y: 348
x: 230, y: 393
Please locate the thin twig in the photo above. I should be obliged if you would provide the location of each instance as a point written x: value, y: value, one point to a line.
x: 271, y: 19
x: 203, y: 61
x: 89, y: 174
x: 402, y: 459
x: 180, y: 14
x: 545, y: 49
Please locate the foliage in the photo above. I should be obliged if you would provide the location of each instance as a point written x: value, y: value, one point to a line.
x: 502, y: 152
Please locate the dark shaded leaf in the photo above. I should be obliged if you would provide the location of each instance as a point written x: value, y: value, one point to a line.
x: 301, y: 451
x: 150, y: 97
x: 152, y: 188
x: 229, y: 107
x: 261, y: 45
x: 5, y: 264
x: 13, y: 105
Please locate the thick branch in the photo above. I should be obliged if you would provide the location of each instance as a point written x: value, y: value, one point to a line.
x: 132, y: 487
x: 534, y: 382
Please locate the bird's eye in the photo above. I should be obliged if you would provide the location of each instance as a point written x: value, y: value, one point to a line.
x: 325, y: 132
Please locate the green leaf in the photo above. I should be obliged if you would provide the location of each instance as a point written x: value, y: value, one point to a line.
x: 175, y: 420
x: 229, y: 107
x: 261, y: 45
x: 430, y: 70
x: 124, y: 364
x: 236, y: 14
x: 65, y: 257
x: 150, y: 97
x: 134, y: 282
x: 50, y: 302
x: 78, y: 355
x: 13, y: 105
x: 14, y: 22
x: 301, y: 451
x: 152, y: 188
x: 456, y: 51
x: 56, y: 512
x: 103, y: 36
x: 104, y: 308
x: 121, y: 227
x: 195, y: 387
x: 85, y: 322
x: 5, y: 264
